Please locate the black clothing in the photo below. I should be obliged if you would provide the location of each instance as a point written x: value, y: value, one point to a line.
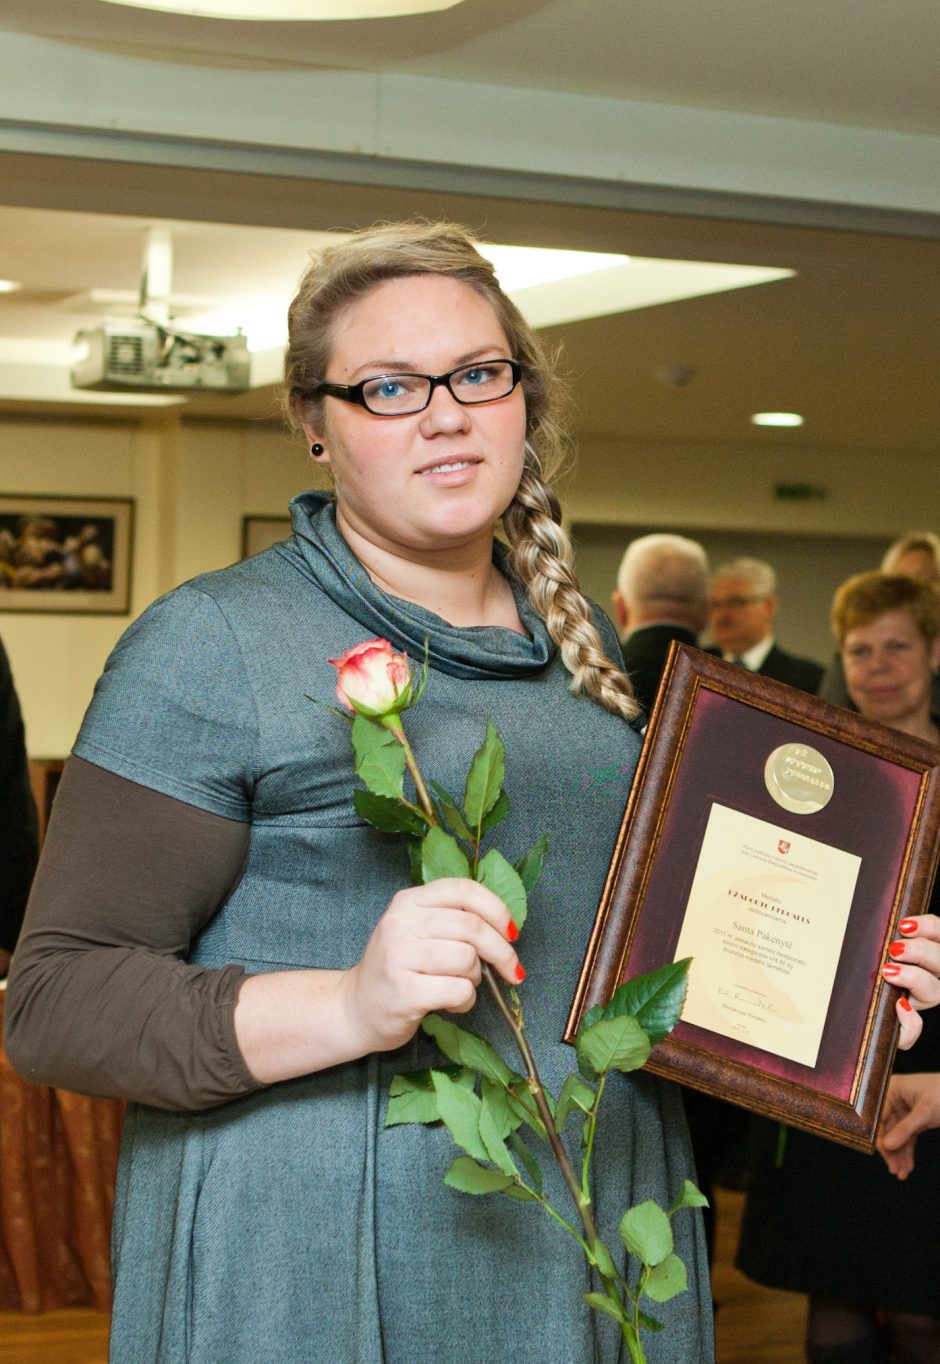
x: 821, y: 1220
x: 644, y: 656
x: 803, y: 673
x: 795, y: 671
x: 19, y: 832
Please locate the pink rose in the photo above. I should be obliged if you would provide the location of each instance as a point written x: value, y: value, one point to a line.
x: 372, y: 679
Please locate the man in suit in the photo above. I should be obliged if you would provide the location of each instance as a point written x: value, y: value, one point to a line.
x: 662, y: 588
x: 742, y: 606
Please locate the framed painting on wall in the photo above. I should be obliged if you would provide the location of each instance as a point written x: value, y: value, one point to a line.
x: 70, y: 555
x: 261, y: 532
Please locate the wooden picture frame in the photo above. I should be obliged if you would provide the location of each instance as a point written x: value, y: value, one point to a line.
x: 66, y: 555
x: 261, y: 532
x: 786, y: 838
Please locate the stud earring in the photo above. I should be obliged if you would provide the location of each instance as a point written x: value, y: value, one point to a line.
x: 316, y: 449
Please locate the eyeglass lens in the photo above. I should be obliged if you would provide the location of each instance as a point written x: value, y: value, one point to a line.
x: 397, y: 394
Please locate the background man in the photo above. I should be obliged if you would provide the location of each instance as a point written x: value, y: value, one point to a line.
x: 662, y: 588
x: 742, y: 606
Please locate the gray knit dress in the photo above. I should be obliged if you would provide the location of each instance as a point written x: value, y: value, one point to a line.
x: 290, y: 1226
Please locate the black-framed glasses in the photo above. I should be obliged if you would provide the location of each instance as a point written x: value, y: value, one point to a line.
x: 398, y: 395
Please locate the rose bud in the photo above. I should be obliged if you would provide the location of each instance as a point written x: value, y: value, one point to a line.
x: 373, y: 680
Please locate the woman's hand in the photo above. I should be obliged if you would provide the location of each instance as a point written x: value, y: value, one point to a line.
x: 427, y: 953
x: 914, y: 966
x: 912, y: 1105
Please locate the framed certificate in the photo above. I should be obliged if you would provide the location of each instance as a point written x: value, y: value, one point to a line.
x: 776, y: 840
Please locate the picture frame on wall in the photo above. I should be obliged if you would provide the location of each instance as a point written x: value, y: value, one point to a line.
x: 66, y: 555
x: 776, y: 840
x: 261, y: 532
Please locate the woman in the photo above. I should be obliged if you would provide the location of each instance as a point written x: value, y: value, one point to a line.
x: 217, y: 937
x: 822, y: 1220
x: 914, y: 555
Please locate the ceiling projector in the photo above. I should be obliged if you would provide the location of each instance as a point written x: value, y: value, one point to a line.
x: 150, y: 357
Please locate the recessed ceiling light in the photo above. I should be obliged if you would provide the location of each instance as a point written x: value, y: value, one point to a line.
x: 777, y: 419
x: 299, y: 11
x: 9, y: 286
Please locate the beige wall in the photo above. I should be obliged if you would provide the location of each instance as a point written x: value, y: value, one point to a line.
x: 193, y: 482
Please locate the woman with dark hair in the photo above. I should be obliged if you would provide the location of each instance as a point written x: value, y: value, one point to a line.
x: 218, y: 938
x: 821, y: 1219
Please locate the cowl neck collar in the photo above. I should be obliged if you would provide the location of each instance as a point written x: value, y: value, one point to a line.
x: 319, y: 551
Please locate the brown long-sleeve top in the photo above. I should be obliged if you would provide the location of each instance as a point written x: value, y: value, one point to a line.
x: 101, y: 998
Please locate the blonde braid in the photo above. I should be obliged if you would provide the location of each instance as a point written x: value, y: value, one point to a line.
x: 542, y: 561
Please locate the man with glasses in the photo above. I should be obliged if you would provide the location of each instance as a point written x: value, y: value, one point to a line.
x: 742, y: 606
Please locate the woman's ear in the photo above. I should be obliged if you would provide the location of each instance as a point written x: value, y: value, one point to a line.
x: 935, y: 655
x: 317, y: 448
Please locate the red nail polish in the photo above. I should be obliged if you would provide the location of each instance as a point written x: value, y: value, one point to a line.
x: 905, y: 1004
x: 512, y: 932
x: 896, y: 949
x: 907, y: 926
x: 890, y: 970
x: 520, y: 971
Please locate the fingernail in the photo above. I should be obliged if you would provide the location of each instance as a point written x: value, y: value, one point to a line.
x: 905, y: 1004
x: 907, y: 926
x: 520, y: 971
x: 896, y: 949
x: 890, y: 970
x: 512, y: 932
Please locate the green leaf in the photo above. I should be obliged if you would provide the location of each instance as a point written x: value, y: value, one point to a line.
x: 592, y: 1016
x: 441, y: 856
x: 574, y: 1094
x: 411, y: 1099
x: 467, y: 1049
x: 647, y: 1233
x: 413, y: 847
x: 387, y: 814
x: 530, y: 865
x: 380, y: 758
x: 532, y: 1167
x: 498, y: 813
x: 503, y: 880
x: 601, y: 1257
x: 525, y: 1112
x: 520, y: 1192
x: 647, y: 1322
x: 689, y: 1197
x: 612, y: 1044
x: 667, y: 1279
x: 459, y: 1109
x: 469, y: 1177
x: 492, y: 1137
x: 452, y: 814
x: 485, y: 778
x: 655, y: 999
x: 608, y: 1306
x: 496, y: 1098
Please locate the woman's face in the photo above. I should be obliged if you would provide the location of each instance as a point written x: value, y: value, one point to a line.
x: 435, y: 479
x: 888, y: 666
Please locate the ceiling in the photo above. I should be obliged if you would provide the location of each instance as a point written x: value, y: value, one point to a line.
x: 846, y: 61
x: 850, y: 341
